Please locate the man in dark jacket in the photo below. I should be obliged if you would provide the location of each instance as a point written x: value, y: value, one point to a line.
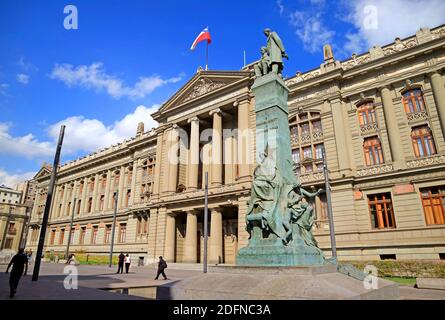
x: 19, y: 263
x: 120, y: 267
x: 161, y: 267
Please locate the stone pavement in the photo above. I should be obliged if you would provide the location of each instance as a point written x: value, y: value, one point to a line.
x: 93, y: 278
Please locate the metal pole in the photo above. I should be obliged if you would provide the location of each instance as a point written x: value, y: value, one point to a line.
x: 71, y: 228
x: 206, y: 218
x: 207, y: 54
x: 49, y: 197
x: 112, y: 231
x: 6, y: 227
x: 329, y: 203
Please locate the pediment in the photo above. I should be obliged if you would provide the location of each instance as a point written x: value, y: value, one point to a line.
x: 202, y: 84
x: 43, y: 172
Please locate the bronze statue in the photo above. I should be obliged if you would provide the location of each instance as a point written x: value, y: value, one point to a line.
x: 272, y: 55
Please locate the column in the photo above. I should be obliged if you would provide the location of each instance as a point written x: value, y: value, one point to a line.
x: 73, y: 196
x: 64, y: 202
x: 84, y: 196
x: 341, y: 139
x: 157, y: 174
x: 216, y: 239
x: 133, y: 181
x: 55, y: 204
x: 107, y: 190
x: 193, y: 154
x: 173, y: 159
x: 95, y: 192
x: 217, y: 148
x: 191, y: 238
x: 170, y: 238
x: 244, y: 147
x: 392, y: 128
x: 439, y: 96
x: 121, y: 190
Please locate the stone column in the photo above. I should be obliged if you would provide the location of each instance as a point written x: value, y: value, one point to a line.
x: 133, y: 182
x: 95, y: 193
x: 157, y: 173
x: 83, y: 205
x: 191, y: 238
x: 107, y: 190
x: 216, y: 240
x: 392, y: 128
x: 244, y: 147
x: 173, y: 159
x: 341, y: 139
x: 439, y: 96
x: 121, y: 190
x: 170, y: 238
x: 193, y: 154
x: 217, y: 147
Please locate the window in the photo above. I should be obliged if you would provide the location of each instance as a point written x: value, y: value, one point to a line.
x: 316, y: 126
x: 319, y: 151
x: 307, y: 152
x: 366, y: 113
x: 72, y: 232
x: 380, y: 208
x: 433, y: 202
x: 107, y: 233
x: 11, y: 228
x: 83, y: 230
x: 308, y: 168
x: 61, y: 236
x: 305, y: 128
x: 127, y: 198
x: 101, y: 202
x: 78, y: 206
x: 68, y: 208
x: 373, y: 151
x: 122, y: 232
x: 296, y: 155
x: 52, y: 237
x: 413, y: 101
x: 81, y: 188
x: 90, y: 205
x: 94, y: 235
x: 294, y: 135
x: 145, y: 227
x: 423, y: 143
x: 59, y: 213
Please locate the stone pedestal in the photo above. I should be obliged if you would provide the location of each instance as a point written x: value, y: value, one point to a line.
x: 276, y: 283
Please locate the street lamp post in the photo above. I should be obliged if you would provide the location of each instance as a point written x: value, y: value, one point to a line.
x: 329, y: 204
x: 112, y: 231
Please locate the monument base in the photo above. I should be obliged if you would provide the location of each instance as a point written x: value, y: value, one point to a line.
x: 279, y: 255
x: 275, y: 283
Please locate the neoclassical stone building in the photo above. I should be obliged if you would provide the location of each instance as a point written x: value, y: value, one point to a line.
x: 379, y: 115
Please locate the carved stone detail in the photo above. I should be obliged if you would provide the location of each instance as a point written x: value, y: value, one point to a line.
x: 417, y: 116
x: 375, y: 170
x: 369, y: 128
x: 202, y: 86
x: 423, y: 162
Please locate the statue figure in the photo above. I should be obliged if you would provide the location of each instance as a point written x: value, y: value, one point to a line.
x: 275, y: 53
x: 302, y: 213
x: 263, y: 66
x: 262, y: 205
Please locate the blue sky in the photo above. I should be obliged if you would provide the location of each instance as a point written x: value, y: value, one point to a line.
x: 126, y: 57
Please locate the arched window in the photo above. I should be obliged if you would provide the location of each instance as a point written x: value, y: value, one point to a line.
x: 423, y: 142
x: 372, y: 149
x: 366, y: 113
x: 413, y: 101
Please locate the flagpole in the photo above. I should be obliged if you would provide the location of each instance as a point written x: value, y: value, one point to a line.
x: 207, y: 54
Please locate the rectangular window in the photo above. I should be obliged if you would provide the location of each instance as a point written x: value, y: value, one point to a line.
x: 94, y: 232
x: 90, y: 205
x: 307, y: 152
x: 138, y: 226
x: 61, y: 236
x: 11, y: 228
x: 52, y: 237
x: 422, y: 140
x: 68, y: 209
x: 83, y: 230
x: 145, y: 229
x: 127, y: 198
x: 381, y: 211
x: 296, y: 155
x: 72, y: 232
x: 373, y: 151
x: 433, y: 202
x: 107, y: 233
x: 316, y: 126
x: 319, y: 151
x: 78, y: 206
x: 304, y: 128
x: 122, y: 232
x: 101, y: 202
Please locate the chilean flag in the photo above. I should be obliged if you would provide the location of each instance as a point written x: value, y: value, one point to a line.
x: 204, y: 35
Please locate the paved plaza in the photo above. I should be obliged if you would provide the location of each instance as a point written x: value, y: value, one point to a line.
x: 99, y: 282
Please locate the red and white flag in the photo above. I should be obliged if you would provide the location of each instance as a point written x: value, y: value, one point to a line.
x: 204, y: 35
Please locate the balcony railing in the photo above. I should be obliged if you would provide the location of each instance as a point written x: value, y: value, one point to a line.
x: 369, y: 128
x: 417, y: 116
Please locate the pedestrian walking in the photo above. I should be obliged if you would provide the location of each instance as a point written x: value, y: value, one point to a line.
x: 162, y: 265
x: 19, y: 267
x: 127, y: 263
x: 120, y: 268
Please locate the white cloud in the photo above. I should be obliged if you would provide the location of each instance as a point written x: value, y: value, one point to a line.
x: 11, y: 180
x: 311, y: 30
x: 95, y: 77
x: 23, y: 78
x: 87, y: 135
x: 395, y: 18
x: 27, y: 145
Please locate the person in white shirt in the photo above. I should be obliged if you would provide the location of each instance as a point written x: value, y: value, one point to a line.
x: 127, y: 263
